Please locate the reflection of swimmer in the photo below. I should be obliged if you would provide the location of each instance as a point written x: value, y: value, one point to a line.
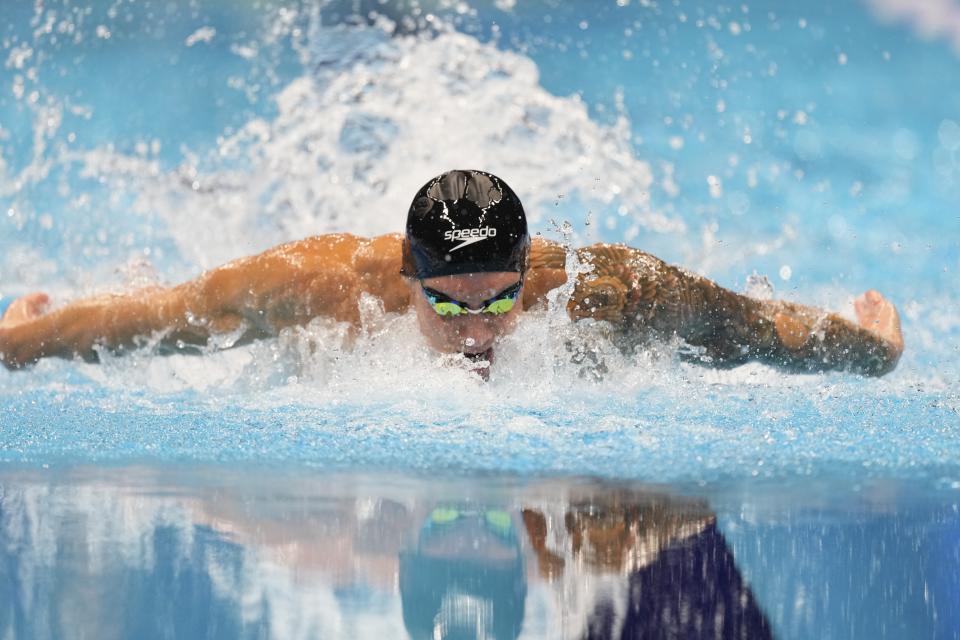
x: 464, y: 577
x: 465, y: 262
x: 616, y: 531
x: 680, y: 579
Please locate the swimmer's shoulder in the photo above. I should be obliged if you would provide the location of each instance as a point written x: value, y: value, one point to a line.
x: 379, y: 257
x: 545, y: 270
x: 344, y: 250
x: 549, y: 255
x: 631, y: 267
x: 328, y: 274
x: 373, y: 261
x: 546, y: 254
x: 377, y: 262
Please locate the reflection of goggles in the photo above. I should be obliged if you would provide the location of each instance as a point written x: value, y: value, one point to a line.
x: 496, y: 521
x: 497, y: 305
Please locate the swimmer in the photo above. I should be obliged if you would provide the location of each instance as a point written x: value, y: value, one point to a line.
x: 467, y: 267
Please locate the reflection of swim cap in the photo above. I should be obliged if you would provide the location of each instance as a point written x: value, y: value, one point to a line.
x: 464, y: 598
x: 465, y: 222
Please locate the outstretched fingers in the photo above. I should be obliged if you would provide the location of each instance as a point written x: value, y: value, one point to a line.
x: 24, y: 309
x: 20, y: 311
x: 878, y: 315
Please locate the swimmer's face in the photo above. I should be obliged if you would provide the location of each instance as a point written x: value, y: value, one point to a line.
x: 468, y: 333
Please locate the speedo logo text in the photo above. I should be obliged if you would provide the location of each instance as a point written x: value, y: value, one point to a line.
x: 469, y: 236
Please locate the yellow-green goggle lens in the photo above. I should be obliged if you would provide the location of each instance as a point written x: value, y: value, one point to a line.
x: 441, y: 515
x: 499, y: 520
x: 500, y: 306
x: 448, y: 308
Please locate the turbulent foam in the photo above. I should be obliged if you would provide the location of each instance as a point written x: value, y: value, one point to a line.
x: 560, y: 398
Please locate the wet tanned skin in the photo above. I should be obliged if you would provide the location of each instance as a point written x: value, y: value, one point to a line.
x: 325, y: 276
x: 647, y: 297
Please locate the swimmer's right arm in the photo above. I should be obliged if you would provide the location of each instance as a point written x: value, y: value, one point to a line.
x: 28, y: 333
x: 251, y: 298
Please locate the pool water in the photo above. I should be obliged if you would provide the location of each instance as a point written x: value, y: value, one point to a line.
x: 805, y: 151
x: 201, y: 551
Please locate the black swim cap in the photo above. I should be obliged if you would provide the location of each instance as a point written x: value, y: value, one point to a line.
x: 465, y: 222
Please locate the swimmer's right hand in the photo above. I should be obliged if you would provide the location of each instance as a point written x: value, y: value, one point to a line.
x: 20, y: 311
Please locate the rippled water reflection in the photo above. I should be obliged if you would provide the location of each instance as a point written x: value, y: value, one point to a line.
x: 151, y: 552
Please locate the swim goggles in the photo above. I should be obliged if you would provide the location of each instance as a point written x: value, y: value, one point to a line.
x: 497, y: 305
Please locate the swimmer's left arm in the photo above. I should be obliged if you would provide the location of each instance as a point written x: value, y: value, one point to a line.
x: 637, y: 290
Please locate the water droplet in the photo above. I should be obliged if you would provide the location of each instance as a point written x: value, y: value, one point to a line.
x: 715, y: 186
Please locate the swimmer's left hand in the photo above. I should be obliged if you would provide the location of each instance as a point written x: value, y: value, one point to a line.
x: 878, y: 315
x: 24, y: 309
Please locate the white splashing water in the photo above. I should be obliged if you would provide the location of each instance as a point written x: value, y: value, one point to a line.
x: 354, y: 140
x: 348, y: 146
x: 929, y: 19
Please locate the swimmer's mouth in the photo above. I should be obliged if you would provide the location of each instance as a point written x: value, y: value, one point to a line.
x: 483, y: 360
x: 481, y: 356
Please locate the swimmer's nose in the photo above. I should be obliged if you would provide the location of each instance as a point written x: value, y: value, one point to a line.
x: 476, y: 335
